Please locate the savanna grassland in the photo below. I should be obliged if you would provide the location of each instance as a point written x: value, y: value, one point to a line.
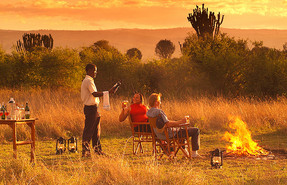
x: 60, y: 113
x: 208, y: 82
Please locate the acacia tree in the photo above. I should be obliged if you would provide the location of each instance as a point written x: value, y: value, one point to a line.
x: 204, y: 23
x: 285, y: 47
x: 103, y: 44
x: 134, y: 52
x: 164, y: 48
x: 32, y: 40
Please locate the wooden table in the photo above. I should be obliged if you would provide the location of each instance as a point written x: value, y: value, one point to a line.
x: 13, y: 124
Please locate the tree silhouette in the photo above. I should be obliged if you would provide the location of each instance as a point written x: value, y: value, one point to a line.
x: 285, y: 47
x: 32, y: 40
x: 203, y: 23
x: 103, y: 44
x: 134, y: 52
x: 164, y: 48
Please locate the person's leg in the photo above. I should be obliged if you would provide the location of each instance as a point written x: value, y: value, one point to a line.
x: 90, y: 117
x: 96, y: 136
x: 195, y: 138
x: 193, y: 132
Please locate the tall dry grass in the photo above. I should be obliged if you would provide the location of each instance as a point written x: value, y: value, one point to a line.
x: 60, y: 113
x: 213, y: 113
x: 96, y: 170
x: 103, y: 170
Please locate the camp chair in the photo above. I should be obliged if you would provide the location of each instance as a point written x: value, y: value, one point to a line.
x: 140, y: 133
x: 170, y: 146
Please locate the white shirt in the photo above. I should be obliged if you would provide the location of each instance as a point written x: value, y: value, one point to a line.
x: 87, y: 88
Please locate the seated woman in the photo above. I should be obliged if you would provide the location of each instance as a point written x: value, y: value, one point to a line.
x: 137, y: 112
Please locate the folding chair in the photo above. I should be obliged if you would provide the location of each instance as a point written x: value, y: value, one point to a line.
x: 170, y: 145
x: 141, y: 132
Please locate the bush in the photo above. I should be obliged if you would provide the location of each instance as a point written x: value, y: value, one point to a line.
x: 112, y: 66
x: 218, y: 61
x: 210, y: 66
x: 42, y: 68
x: 265, y: 72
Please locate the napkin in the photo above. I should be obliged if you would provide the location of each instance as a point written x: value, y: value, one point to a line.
x: 106, y: 100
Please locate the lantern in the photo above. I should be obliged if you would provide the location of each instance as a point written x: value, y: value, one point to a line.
x: 216, y: 158
x: 60, y: 145
x: 72, y: 144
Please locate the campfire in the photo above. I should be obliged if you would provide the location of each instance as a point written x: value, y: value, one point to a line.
x: 241, y: 141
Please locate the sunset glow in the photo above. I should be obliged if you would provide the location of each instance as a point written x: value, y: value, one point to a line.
x: 151, y: 14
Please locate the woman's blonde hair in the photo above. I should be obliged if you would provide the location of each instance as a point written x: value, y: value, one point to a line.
x: 153, y: 98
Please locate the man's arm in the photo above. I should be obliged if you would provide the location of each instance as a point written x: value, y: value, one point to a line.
x: 124, y: 114
x: 111, y: 91
x: 168, y: 123
x: 175, y: 123
x: 100, y: 94
x: 97, y: 94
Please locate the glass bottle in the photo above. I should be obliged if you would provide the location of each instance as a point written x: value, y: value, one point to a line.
x: 6, y: 113
x: 11, y: 109
x: 2, y: 111
x: 27, y: 111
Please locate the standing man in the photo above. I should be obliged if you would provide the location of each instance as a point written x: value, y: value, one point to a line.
x: 90, y: 97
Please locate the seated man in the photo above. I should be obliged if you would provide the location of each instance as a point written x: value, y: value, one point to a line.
x: 154, y: 111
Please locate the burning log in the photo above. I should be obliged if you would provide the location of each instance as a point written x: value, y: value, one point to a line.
x: 242, y: 143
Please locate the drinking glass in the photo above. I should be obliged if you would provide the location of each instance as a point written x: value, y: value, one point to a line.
x: 187, y: 119
x: 6, y: 115
x: 125, y: 103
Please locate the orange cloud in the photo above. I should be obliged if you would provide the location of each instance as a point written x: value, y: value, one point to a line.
x: 139, y: 13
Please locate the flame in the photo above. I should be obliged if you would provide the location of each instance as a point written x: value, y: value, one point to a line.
x: 242, y: 142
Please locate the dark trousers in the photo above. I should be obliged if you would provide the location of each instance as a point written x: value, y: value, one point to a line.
x: 92, y: 130
x: 193, y: 132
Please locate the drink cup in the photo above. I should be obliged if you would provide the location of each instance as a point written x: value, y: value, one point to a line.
x: 187, y: 119
x: 6, y: 115
x: 125, y: 103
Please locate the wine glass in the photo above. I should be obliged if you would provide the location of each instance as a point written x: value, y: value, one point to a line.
x: 187, y: 119
x: 6, y: 115
x: 125, y: 103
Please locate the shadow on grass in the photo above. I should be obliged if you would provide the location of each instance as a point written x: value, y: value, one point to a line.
x: 272, y: 140
x: 274, y: 180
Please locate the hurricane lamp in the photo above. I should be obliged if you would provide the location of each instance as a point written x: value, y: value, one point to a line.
x: 72, y: 144
x: 60, y: 145
x: 216, y: 158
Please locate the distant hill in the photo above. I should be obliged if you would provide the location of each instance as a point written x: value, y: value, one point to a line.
x: 143, y: 39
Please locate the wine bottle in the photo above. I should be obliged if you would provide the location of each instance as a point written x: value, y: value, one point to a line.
x: 2, y: 111
x: 11, y: 109
x: 27, y: 111
x: 117, y: 85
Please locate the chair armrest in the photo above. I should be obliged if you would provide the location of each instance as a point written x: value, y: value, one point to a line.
x: 184, y: 124
x: 140, y: 123
x: 180, y: 125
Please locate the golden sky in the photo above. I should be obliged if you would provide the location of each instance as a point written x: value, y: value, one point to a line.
x: 150, y: 14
